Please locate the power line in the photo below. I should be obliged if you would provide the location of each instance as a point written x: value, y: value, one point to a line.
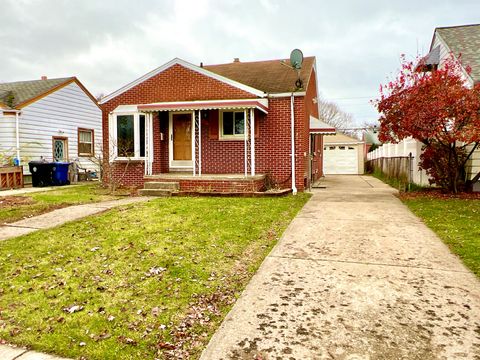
x: 352, y: 98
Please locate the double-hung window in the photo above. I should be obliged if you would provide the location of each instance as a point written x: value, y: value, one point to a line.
x: 232, y: 124
x: 129, y: 141
x: 85, y: 142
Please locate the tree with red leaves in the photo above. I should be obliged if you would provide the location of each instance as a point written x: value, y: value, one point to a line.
x: 440, y: 110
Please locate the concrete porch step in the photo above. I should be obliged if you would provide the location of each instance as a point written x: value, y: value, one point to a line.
x: 156, y: 192
x: 164, y: 185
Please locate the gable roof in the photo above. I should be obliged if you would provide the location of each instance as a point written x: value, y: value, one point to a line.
x: 21, y: 93
x: 187, y: 65
x: 270, y: 76
x: 464, y: 40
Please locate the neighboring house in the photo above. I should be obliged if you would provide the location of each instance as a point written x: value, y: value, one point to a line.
x: 51, y: 119
x: 461, y: 41
x: 343, y: 154
x: 221, y: 127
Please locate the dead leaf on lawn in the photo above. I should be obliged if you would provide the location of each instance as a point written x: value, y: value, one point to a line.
x: 126, y: 340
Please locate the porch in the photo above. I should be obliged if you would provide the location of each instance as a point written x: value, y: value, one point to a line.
x: 182, y: 181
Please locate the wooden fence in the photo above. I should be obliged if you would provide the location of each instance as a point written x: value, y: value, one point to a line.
x: 11, y: 177
x: 399, y: 167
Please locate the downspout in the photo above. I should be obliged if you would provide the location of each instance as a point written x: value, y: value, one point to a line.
x: 17, y: 135
x: 292, y: 119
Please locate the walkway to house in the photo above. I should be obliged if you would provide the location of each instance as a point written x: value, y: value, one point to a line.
x: 355, y: 276
x: 61, y: 216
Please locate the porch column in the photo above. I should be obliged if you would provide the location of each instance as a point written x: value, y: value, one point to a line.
x: 194, y: 143
x: 245, y: 140
x: 199, y: 142
x: 252, y: 141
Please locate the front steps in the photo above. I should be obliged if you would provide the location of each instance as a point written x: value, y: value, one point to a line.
x: 159, y: 188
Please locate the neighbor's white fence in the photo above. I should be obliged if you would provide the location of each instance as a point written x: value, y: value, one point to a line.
x: 390, y: 153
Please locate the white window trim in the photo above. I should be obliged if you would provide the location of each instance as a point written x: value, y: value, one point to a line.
x: 221, y: 136
x: 136, y: 136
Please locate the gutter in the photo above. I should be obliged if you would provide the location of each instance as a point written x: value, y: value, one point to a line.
x: 292, y: 123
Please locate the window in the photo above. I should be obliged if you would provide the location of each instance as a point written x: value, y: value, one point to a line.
x: 130, y: 136
x: 232, y: 124
x: 85, y: 142
x: 341, y: 147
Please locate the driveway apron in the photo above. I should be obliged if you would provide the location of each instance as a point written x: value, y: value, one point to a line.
x: 355, y: 276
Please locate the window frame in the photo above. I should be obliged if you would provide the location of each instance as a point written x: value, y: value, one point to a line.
x: 136, y: 136
x: 221, y: 135
x: 92, y: 148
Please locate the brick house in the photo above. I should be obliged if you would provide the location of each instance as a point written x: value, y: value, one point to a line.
x: 221, y: 127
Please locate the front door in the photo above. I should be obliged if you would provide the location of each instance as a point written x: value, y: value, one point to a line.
x: 182, y: 138
x: 60, y: 149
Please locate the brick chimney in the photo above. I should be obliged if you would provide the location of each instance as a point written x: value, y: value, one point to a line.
x: 43, y: 77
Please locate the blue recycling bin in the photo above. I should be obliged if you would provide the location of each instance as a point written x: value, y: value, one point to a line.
x: 60, y: 173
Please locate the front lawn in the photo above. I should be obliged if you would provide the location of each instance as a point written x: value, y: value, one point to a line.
x: 150, y: 280
x: 456, y: 220
x: 13, y: 208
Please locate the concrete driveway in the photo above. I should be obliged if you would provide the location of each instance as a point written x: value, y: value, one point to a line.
x: 355, y: 276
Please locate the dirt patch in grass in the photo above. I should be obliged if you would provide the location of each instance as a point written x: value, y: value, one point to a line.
x: 11, y: 201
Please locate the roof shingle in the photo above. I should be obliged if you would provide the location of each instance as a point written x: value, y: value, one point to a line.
x: 464, y: 40
x: 271, y: 76
x: 23, y: 91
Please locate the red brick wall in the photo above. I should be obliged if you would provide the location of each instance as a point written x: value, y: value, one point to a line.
x: 317, y: 163
x: 311, y: 109
x: 219, y: 185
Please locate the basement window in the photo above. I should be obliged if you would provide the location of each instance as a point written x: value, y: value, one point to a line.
x: 232, y: 125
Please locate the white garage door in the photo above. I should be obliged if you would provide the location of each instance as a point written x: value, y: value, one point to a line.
x: 340, y: 159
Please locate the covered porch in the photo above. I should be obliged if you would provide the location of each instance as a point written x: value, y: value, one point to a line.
x: 207, y: 145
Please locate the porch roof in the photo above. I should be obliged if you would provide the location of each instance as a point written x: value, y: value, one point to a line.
x: 319, y: 127
x: 260, y: 104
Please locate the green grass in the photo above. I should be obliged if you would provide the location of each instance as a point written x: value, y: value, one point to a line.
x: 41, y: 202
x: 154, y: 279
x: 455, y: 221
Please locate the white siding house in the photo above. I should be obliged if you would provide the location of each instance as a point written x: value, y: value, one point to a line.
x: 51, y: 117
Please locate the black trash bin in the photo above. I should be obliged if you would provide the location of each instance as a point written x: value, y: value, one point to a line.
x: 41, y: 173
x: 60, y: 173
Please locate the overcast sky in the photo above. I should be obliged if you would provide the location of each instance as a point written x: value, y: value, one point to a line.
x: 108, y: 43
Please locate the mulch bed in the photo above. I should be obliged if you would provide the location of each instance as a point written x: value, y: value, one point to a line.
x: 438, y: 194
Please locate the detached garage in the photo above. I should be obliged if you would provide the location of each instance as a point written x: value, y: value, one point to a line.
x: 343, y: 155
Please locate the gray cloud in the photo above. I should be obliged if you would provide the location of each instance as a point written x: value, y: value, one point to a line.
x: 110, y: 42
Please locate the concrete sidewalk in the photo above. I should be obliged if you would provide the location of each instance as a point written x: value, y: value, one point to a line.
x: 355, y: 276
x: 30, y: 190
x: 13, y: 353
x: 61, y: 216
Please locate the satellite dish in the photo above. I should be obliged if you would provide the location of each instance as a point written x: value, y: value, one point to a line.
x: 296, y: 59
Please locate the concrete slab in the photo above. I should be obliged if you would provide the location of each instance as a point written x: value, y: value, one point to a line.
x: 10, y: 353
x: 355, y: 277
